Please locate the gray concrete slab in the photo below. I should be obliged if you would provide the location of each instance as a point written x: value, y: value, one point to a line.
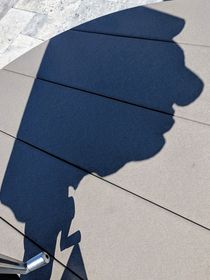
x: 50, y: 18
x: 165, y: 18
x: 122, y: 236
x: 28, y: 64
x: 100, y: 227
x: 14, y: 97
x: 61, y: 16
x: 144, y: 22
x: 120, y: 142
x: 12, y: 245
x: 177, y: 177
x: 37, y: 203
x: 197, y: 61
x: 195, y: 15
x: 18, y: 48
x: 99, y: 140
x: 172, y: 75
x: 133, y: 240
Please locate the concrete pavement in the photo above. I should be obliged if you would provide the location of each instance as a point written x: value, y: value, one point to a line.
x: 105, y: 147
x: 26, y: 24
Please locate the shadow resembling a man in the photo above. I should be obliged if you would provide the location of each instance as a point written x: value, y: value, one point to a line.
x: 99, y: 102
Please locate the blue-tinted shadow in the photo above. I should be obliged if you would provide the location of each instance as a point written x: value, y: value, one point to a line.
x: 80, y: 111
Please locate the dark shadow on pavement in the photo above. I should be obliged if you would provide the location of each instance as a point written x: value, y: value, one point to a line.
x: 9, y: 277
x: 82, y: 124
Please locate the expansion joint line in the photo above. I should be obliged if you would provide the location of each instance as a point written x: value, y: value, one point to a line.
x: 41, y: 248
x: 101, y: 178
x: 111, y: 98
x: 138, y: 38
x: 123, y: 101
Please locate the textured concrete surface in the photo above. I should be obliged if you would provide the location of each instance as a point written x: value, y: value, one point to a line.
x: 5, y: 6
x: 12, y: 243
x: 104, y: 146
x: 196, y: 19
x: 116, y: 227
x: 50, y: 215
x: 25, y: 24
x: 185, y: 86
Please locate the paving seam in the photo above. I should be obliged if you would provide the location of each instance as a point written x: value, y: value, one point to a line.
x: 138, y: 38
x: 113, y: 184
x: 41, y: 248
x: 109, y: 97
x: 35, y: 13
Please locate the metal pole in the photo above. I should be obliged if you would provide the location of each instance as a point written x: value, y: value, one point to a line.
x: 12, y: 266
